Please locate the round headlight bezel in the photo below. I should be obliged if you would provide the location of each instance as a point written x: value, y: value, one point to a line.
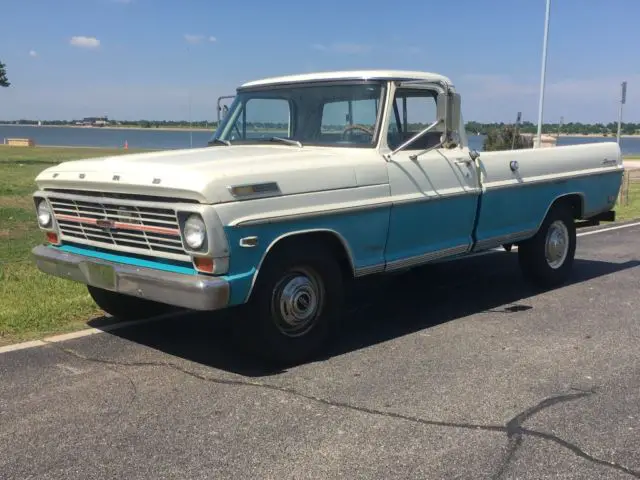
x: 195, y: 229
x: 44, y: 211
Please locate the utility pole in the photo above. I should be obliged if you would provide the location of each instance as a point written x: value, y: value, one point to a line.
x: 543, y: 73
x: 560, y: 126
x: 623, y: 100
x: 515, y: 130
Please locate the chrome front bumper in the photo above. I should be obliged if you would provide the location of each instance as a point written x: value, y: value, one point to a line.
x: 189, y: 291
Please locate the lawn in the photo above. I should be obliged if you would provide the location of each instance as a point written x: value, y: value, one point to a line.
x: 33, y: 304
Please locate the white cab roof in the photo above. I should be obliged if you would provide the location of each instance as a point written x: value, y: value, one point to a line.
x: 355, y: 74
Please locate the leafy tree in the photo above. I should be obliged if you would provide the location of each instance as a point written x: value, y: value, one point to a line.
x: 4, y: 81
x: 503, y: 139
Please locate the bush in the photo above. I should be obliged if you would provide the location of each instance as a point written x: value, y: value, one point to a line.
x: 502, y: 139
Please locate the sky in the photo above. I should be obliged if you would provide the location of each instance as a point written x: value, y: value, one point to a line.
x: 171, y: 59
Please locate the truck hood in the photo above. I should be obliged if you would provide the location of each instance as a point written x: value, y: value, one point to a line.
x: 205, y: 174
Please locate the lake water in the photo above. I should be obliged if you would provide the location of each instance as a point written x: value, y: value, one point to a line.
x: 162, y: 139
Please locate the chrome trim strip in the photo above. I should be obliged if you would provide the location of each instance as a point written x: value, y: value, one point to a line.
x: 358, y: 207
x: 299, y: 232
x: 258, y: 220
x: 369, y: 270
x: 195, y: 292
x: 489, y: 243
x: 425, y: 258
x: 559, y: 178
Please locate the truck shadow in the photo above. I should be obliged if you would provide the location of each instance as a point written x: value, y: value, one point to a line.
x: 379, y: 310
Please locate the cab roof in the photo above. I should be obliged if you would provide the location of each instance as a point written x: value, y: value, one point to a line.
x: 405, y: 75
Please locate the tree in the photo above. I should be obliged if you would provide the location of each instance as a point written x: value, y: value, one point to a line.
x: 503, y: 139
x: 4, y: 81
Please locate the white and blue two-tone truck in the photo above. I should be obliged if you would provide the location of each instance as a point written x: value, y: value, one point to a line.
x: 309, y: 182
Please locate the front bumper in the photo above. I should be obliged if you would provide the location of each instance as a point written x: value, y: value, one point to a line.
x: 188, y: 291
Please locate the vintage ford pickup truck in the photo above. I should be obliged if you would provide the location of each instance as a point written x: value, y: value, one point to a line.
x: 309, y: 182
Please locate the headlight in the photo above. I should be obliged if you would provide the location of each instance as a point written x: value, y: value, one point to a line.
x: 195, y: 232
x: 44, y: 214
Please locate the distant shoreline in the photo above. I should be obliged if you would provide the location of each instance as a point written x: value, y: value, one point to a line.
x: 211, y: 130
x: 112, y: 127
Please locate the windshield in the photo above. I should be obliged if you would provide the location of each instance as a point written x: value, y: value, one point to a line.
x: 331, y: 114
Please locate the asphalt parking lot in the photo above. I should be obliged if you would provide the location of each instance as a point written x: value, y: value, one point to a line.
x: 457, y: 370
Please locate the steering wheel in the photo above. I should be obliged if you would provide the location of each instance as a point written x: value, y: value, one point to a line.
x: 348, y: 128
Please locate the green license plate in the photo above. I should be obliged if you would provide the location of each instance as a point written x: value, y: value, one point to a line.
x: 102, y: 276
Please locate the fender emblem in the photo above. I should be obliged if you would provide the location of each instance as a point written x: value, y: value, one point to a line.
x: 105, y: 223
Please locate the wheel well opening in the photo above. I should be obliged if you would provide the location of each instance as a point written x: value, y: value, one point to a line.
x: 323, y: 239
x: 574, y: 202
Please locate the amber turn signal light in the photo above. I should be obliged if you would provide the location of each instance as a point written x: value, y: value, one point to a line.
x: 52, y: 238
x: 205, y: 265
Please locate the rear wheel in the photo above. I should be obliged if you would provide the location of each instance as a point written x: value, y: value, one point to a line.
x: 126, y: 307
x: 295, y: 304
x: 547, y: 258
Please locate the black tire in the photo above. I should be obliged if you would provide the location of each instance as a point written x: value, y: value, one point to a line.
x: 310, y: 274
x: 537, y: 268
x: 126, y: 307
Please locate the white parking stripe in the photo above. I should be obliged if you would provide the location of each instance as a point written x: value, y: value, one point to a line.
x: 116, y: 326
x: 609, y: 229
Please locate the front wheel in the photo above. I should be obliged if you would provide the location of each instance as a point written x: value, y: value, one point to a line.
x: 546, y: 259
x: 126, y: 307
x: 295, y: 304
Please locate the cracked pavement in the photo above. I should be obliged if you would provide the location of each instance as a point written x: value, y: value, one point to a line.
x: 457, y: 370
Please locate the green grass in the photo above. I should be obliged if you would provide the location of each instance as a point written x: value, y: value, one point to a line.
x: 629, y: 206
x: 33, y: 304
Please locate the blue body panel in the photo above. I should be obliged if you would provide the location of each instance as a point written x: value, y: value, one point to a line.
x: 506, y: 211
x: 364, y: 232
x: 429, y: 226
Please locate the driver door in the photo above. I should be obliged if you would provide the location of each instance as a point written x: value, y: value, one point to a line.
x: 435, y: 195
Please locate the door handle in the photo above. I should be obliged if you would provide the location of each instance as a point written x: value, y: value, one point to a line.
x: 466, y: 162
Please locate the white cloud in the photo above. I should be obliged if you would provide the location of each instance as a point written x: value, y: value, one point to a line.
x: 193, y: 39
x: 342, y: 48
x: 84, y: 42
x: 33, y: 53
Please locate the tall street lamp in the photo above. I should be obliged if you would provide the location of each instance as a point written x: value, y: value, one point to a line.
x: 543, y: 73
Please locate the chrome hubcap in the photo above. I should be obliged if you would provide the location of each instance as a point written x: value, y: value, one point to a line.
x: 297, y: 301
x: 557, y: 244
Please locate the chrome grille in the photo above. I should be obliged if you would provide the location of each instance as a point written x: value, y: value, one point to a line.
x: 124, y: 227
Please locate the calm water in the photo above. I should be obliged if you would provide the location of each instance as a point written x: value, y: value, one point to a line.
x: 158, y: 139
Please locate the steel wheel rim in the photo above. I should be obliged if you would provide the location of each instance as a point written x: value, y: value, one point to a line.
x: 297, y: 301
x: 557, y: 244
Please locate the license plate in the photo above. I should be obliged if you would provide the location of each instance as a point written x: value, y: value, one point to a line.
x: 102, y: 276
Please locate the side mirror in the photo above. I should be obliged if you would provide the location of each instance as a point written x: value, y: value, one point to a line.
x: 449, y: 111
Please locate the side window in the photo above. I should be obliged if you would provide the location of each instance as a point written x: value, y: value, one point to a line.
x: 352, y: 120
x: 263, y: 117
x: 413, y: 110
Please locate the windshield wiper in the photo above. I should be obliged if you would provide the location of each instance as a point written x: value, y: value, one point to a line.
x: 219, y: 141
x: 288, y: 141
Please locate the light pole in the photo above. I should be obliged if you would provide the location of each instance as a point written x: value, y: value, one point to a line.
x: 543, y: 73
x: 623, y: 100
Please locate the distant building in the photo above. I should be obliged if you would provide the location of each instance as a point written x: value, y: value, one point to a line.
x: 94, y: 121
